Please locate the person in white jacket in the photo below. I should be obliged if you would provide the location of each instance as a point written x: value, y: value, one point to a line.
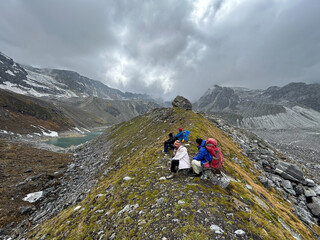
x: 180, y: 159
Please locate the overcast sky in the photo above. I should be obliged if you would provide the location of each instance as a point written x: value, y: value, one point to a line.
x: 169, y: 47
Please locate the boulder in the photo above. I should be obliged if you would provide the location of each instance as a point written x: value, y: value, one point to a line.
x: 310, y: 183
x: 314, y: 206
x: 182, y: 102
x: 289, y: 171
x: 317, y: 190
x: 286, y: 184
x: 309, y: 193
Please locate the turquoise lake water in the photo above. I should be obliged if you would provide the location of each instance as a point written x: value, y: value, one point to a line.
x: 67, y: 142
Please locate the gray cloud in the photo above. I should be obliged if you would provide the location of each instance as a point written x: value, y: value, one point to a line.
x: 165, y: 48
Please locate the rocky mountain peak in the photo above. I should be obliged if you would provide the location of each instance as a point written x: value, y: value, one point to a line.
x: 218, y: 98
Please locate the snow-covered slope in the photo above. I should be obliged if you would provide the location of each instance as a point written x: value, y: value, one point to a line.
x: 53, y: 83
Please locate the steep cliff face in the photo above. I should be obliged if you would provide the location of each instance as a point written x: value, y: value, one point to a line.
x: 131, y: 199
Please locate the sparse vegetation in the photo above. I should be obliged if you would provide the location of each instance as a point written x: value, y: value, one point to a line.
x: 146, y: 207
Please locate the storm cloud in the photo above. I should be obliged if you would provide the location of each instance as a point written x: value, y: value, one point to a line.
x: 170, y: 47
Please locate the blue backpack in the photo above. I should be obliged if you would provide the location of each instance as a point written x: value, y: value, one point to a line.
x: 186, y: 134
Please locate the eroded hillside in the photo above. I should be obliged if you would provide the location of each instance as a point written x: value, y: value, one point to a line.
x: 22, y: 114
x: 132, y: 200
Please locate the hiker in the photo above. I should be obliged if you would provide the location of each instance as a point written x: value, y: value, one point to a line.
x: 180, y: 159
x: 202, y: 157
x: 169, y: 143
x: 180, y: 135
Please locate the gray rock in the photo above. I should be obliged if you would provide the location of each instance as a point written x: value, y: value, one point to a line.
x: 182, y: 102
x: 310, y: 182
x: 314, y: 206
x: 271, y: 184
x: 291, y: 191
x: 317, y: 190
x: 299, y: 189
x: 302, y: 199
x: 27, y: 210
x: 309, y: 192
x: 286, y: 184
x: 264, y: 181
x: 289, y: 171
x: 304, y: 215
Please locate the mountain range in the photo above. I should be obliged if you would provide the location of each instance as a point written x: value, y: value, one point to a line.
x: 86, y: 103
x: 296, y: 105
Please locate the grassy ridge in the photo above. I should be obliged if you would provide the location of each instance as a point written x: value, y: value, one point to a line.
x: 146, y: 207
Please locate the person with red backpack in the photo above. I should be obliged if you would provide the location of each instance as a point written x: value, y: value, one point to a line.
x: 216, y: 155
x: 202, y: 157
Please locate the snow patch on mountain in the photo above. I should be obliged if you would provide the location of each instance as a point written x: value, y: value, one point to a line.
x: 39, y: 80
x: 10, y: 72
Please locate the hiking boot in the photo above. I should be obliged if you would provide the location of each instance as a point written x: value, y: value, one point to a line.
x: 170, y: 176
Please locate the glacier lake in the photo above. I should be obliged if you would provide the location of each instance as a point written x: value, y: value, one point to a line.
x: 66, y: 142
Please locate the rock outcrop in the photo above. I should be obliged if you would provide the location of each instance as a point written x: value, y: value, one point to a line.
x: 182, y: 102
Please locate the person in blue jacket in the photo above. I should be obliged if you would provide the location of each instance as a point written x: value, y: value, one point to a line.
x: 180, y: 135
x: 202, y: 157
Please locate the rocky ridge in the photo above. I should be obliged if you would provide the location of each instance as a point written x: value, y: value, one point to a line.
x: 129, y: 197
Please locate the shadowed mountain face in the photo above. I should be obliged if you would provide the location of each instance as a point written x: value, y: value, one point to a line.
x: 294, y: 105
x: 22, y: 114
x: 94, y: 112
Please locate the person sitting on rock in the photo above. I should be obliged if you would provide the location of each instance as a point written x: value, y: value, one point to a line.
x: 169, y: 143
x: 202, y: 157
x: 180, y: 160
x: 180, y: 135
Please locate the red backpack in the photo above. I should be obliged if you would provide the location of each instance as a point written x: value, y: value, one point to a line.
x: 216, y: 154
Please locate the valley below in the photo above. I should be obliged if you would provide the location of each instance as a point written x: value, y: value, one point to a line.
x: 301, y: 146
